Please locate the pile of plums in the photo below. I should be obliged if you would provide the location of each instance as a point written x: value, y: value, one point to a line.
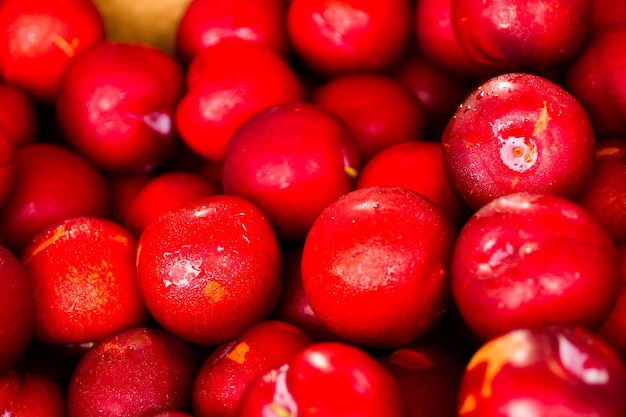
x: 315, y: 208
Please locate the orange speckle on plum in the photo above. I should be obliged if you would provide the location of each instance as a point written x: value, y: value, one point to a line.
x: 215, y: 291
x: 542, y: 122
x: 468, y: 405
x: 58, y: 233
x: 238, y: 354
x: 280, y: 411
x: 137, y: 253
x: 114, y: 350
x: 410, y: 359
x: 497, y: 354
x: 69, y: 48
x: 121, y: 239
x: 608, y: 151
x: 352, y: 173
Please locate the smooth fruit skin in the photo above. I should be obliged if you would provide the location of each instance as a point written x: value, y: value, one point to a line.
x: 7, y: 166
x: 172, y: 414
x: 429, y: 377
x: 136, y: 373
x: 604, y: 196
x: 613, y: 149
x: 51, y: 183
x: 517, y: 132
x: 608, y: 13
x: 30, y: 394
x: 325, y: 379
x: 116, y: 105
x: 613, y: 329
x: 291, y: 161
x: 164, y: 192
x: 223, y: 377
x: 595, y: 78
x: 383, y: 253
x: 207, y: 22
x: 123, y: 188
x: 209, y: 270
x: 433, y: 32
x: 543, y: 372
x: 379, y: 110
x: 266, y: 395
x: 339, y: 37
x: 39, y: 39
x: 437, y: 91
x: 416, y: 165
x: 226, y: 84
x: 536, y: 34
x: 292, y: 305
x: 18, y: 114
x: 336, y: 379
x: 525, y: 259
x: 84, y: 281
x: 17, y: 317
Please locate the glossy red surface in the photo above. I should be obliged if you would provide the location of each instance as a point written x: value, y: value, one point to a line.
x: 84, y: 280
x: 116, y: 106
x: 209, y: 270
x: 291, y: 161
x: 517, y: 132
x: 525, y: 259
x: 383, y: 252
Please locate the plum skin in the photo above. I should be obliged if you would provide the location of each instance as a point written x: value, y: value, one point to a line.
x: 518, y: 132
x: 107, y: 377
x: 40, y: 39
x: 378, y: 109
x: 550, y: 371
x: 210, y: 269
x: 226, y: 84
x: 51, y: 183
x: 18, y: 115
x: 525, y: 259
x: 325, y: 379
x: 536, y: 34
x: 31, y: 393
x: 383, y: 254
x: 290, y: 160
x: 164, y: 192
x: 17, y: 318
x: 338, y: 37
x: 207, y: 22
x: 115, y: 106
x: 416, y: 165
x: 223, y: 377
x: 429, y: 376
x: 595, y: 78
x: 605, y: 197
x: 612, y: 329
x: 84, y: 280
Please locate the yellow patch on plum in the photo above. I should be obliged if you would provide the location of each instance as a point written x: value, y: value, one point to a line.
x: 469, y: 404
x: 59, y: 232
x: 215, y: 291
x: 498, y: 353
x: 542, y: 122
x: 68, y: 48
x: 238, y: 354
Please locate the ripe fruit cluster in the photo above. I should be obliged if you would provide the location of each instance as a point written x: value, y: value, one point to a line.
x: 315, y: 208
